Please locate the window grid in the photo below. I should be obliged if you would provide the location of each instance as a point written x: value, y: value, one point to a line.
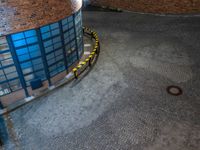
x: 9, y: 80
x: 53, y: 48
x: 28, y: 52
x: 63, y: 37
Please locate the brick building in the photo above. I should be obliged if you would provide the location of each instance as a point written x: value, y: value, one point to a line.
x: 152, y: 6
x: 40, y: 41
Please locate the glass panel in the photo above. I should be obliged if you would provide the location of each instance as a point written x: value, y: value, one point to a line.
x: 46, y: 35
x: 44, y: 29
x: 57, y: 39
x: 34, y: 48
x: 15, y: 84
x: 12, y: 75
x: 35, y: 54
x: 57, y: 45
x: 30, y: 33
x: 48, y: 43
x: 19, y: 43
x: 2, y: 78
x: 31, y: 40
x: 70, y: 19
x: 27, y: 70
x: 24, y: 57
x: 49, y: 49
x: 64, y: 21
x: 4, y: 89
x: 29, y: 77
x: 54, y: 26
x: 9, y: 70
x: 55, y: 32
x: 22, y: 51
x: 17, y: 36
x: 40, y: 74
x: 51, y: 61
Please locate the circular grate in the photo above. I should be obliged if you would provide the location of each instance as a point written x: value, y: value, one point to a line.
x: 174, y: 90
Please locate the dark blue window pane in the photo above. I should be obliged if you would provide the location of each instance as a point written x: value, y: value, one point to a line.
x: 54, y: 26
x: 64, y: 21
x: 59, y: 52
x: 17, y: 36
x: 73, y: 43
x: 70, y: 19
x: 51, y: 61
x: 67, y: 40
x: 38, y: 67
x: 58, y: 45
x: 66, y: 35
x: 56, y: 39
x: 67, y: 47
x: 40, y: 75
x: 72, y: 36
x: 71, y: 31
x: 55, y: 32
x: 59, y: 57
x: 34, y: 48
x: 50, y: 56
x: 74, y: 59
x: 31, y: 40
x: 22, y: 51
x: 37, y: 61
x: 46, y: 35
x: 70, y: 24
x: 30, y: 33
x: 44, y: 29
x: 26, y: 65
x: 49, y: 49
x: 47, y: 43
x: 52, y: 68
x: 23, y: 57
x: 19, y: 43
x: 65, y: 27
x: 35, y: 54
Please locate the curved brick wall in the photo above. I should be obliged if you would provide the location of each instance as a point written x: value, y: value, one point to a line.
x: 153, y: 6
x: 20, y: 15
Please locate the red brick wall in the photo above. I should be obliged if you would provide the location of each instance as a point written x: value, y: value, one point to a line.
x: 153, y: 6
x: 20, y: 15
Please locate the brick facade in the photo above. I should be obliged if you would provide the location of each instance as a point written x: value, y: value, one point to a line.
x: 153, y: 6
x: 20, y: 15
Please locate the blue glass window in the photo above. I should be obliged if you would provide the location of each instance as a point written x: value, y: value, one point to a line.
x: 8, y: 72
x: 20, y: 43
x: 45, y: 29
x: 30, y: 33
x: 17, y: 36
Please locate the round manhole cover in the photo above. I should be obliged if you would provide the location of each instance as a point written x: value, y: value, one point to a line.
x: 174, y: 90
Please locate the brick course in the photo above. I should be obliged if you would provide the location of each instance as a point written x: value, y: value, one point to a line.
x: 20, y: 15
x: 153, y: 6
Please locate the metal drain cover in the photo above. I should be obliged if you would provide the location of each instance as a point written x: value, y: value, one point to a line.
x: 174, y: 90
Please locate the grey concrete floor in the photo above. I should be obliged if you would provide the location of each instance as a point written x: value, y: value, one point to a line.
x: 122, y: 104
